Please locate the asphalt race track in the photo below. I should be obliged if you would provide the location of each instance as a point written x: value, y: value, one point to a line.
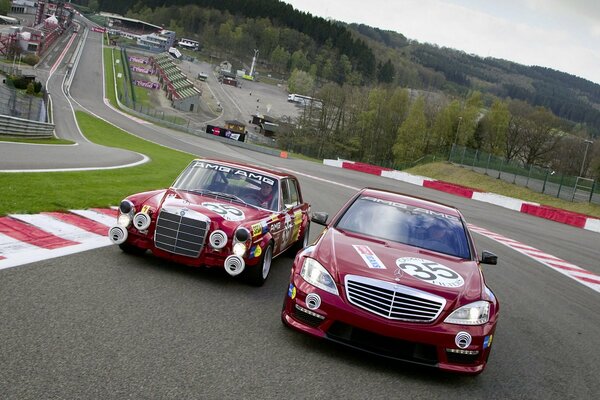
x: 105, y: 325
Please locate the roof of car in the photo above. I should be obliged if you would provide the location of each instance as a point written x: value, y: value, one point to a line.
x: 411, y: 201
x: 275, y: 173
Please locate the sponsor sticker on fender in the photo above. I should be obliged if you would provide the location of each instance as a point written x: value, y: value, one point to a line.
x: 369, y: 257
x: 430, y: 272
x: 259, y: 228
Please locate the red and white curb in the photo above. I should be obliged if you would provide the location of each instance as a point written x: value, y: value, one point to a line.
x: 26, y: 238
x: 583, y: 276
x: 526, y: 207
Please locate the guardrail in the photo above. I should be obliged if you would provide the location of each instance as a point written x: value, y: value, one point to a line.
x: 13, y: 126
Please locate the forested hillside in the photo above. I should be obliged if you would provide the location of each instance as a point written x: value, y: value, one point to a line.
x: 388, y: 99
x: 567, y: 96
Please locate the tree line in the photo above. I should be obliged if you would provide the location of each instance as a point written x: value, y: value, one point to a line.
x: 393, y: 127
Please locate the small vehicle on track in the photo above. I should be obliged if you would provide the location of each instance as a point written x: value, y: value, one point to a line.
x: 217, y: 214
x: 396, y: 276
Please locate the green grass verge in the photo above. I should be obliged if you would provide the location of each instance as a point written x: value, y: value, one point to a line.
x: 142, y: 95
x: 55, y: 191
x: 109, y: 76
x: 450, y: 173
x: 36, y: 141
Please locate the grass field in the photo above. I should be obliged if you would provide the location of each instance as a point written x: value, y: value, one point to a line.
x: 35, y: 192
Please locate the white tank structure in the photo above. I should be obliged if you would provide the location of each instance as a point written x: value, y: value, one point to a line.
x: 51, y: 21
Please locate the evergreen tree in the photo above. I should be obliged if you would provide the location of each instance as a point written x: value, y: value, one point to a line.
x: 386, y: 72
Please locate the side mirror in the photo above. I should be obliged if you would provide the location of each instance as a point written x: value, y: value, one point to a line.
x: 488, y: 258
x: 320, y: 218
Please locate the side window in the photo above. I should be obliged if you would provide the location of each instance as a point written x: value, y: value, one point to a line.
x: 290, y: 193
x: 294, y: 196
x: 285, y: 193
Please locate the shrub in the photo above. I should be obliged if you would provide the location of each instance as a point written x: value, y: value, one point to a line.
x: 31, y: 59
x: 20, y: 82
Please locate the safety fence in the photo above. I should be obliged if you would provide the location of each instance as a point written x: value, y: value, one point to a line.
x: 18, y: 104
x: 539, y: 179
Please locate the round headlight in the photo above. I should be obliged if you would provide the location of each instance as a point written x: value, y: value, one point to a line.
x: 242, y: 234
x: 124, y: 220
x: 126, y: 207
x: 239, y: 249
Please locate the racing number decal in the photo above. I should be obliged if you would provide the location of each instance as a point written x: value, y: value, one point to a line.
x: 430, y: 272
x: 287, y: 230
x: 230, y: 213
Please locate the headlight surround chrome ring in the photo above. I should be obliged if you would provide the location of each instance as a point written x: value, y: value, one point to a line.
x: 217, y: 239
x: 234, y: 265
x: 141, y: 221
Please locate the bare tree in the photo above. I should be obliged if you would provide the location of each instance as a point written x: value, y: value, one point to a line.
x: 541, y: 136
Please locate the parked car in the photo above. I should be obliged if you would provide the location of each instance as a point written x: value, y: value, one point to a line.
x: 217, y: 214
x: 397, y: 276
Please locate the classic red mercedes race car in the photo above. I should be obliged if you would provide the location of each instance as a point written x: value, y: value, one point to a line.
x: 217, y: 214
x: 397, y: 276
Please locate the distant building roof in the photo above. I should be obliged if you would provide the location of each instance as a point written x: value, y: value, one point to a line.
x: 122, y: 18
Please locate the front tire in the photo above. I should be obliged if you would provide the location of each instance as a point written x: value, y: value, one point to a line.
x: 258, y: 274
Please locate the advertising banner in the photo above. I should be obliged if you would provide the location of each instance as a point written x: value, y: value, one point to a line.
x: 141, y: 69
x: 138, y: 60
x: 224, y: 132
x: 146, y: 84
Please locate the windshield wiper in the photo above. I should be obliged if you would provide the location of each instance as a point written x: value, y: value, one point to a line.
x: 219, y: 194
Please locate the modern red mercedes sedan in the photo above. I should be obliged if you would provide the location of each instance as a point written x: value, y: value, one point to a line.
x: 217, y: 214
x: 397, y: 276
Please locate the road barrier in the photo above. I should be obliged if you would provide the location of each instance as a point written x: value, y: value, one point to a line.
x: 25, y: 128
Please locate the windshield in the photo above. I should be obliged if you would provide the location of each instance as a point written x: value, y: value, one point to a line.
x: 405, y: 224
x: 233, y: 183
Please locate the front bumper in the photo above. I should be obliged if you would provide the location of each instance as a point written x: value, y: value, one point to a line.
x: 431, y: 344
x: 208, y: 257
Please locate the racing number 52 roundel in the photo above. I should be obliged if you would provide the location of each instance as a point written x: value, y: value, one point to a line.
x: 430, y: 272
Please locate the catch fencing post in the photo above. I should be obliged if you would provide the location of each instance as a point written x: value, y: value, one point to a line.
x: 545, y: 180
x: 560, y: 185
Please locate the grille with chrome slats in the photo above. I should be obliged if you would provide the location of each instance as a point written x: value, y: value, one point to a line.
x: 393, y: 301
x: 180, y: 235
